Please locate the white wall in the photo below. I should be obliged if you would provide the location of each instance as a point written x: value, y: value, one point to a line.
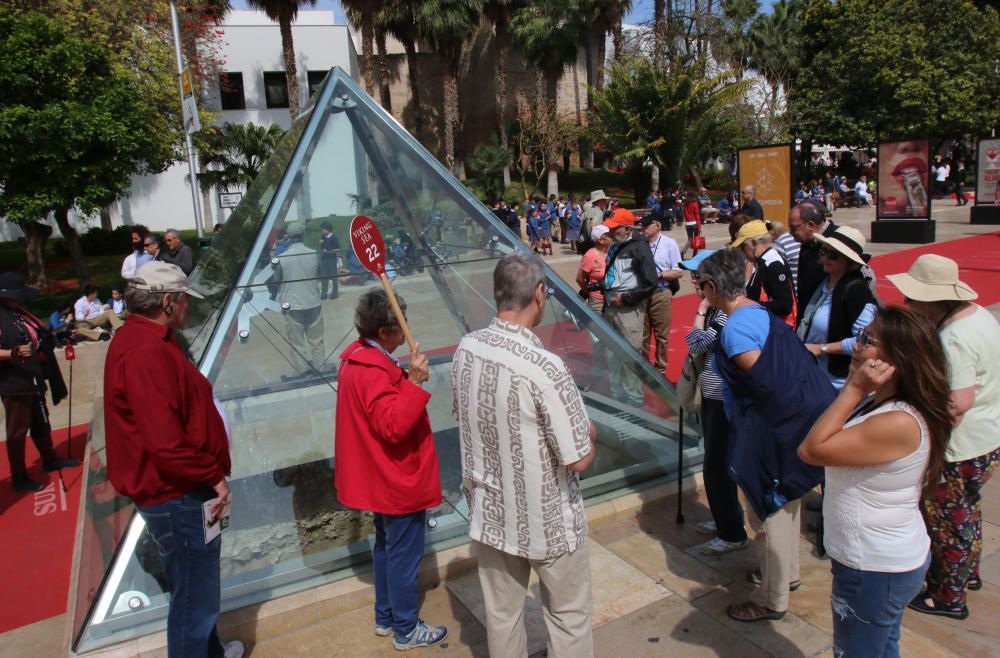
x: 250, y: 43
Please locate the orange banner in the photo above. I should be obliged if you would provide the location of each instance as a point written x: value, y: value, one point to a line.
x: 768, y: 169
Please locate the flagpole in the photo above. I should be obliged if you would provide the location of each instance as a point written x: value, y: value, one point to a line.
x: 192, y: 157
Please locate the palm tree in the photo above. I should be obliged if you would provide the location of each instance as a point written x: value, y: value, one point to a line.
x: 284, y: 12
x: 599, y: 16
x: 234, y: 154
x: 397, y: 19
x: 500, y: 12
x: 447, y: 24
x: 659, y: 30
x: 548, y: 33
x: 363, y: 14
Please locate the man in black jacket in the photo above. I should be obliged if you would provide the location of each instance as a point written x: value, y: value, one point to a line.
x: 805, y: 221
x: 629, y: 282
x: 27, y: 360
x: 770, y: 282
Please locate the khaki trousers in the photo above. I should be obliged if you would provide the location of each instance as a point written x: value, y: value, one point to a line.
x: 627, y: 321
x: 567, y: 602
x: 305, y: 335
x: 778, y: 551
x: 657, y: 323
x: 91, y: 329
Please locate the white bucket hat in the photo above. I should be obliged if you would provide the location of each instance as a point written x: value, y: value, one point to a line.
x: 597, y: 195
x: 933, y: 278
x: 848, y: 241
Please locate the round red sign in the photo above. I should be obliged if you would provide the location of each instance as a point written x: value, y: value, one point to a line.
x: 368, y: 245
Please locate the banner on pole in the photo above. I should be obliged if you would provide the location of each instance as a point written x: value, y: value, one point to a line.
x: 769, y: 170
x: 988, y: 172
x: 904, y: 180
x: 189, y: 104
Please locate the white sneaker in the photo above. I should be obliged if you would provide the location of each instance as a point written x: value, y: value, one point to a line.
x: 706, y: 528
x: 383, y: 631
x: 718, y: 546
x: 233, y: 649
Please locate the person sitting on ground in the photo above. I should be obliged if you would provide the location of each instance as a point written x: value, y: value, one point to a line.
x: 861, y: 191
x: 386, y: 462
x: 726, y: 207
x: 178, y: 253
x: 727, y: 524
x: 709, y: 214
x: 773, y: 393
x: 117, y: 303
x: 61, y: 325
x: 94, y: 320
x: 842, y: 305
x: 882, y: 442
x: 770, y: 281
x: 138, y: 256
x: 971, y: 338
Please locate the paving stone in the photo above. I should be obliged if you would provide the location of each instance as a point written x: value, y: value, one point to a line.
x: 978, y: 635
x: 668, y: 565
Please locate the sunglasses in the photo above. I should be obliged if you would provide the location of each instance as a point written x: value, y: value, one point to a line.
x: 865, y: 339
x: 829, y: 253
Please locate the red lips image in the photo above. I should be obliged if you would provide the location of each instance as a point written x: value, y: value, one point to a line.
x: 916, y: 164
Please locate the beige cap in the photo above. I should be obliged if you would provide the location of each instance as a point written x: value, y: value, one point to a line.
x: 749, y: 231
x: 597, y: 195
x: 933, y: 278
x: 848, y: 241
x: 162, y: 277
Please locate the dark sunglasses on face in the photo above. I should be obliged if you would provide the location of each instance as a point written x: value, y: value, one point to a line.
x: 865, y: 339
x: 829, y: 253
x: 148, y: 244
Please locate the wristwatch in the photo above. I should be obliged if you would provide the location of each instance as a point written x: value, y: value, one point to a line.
x: 824, y: 348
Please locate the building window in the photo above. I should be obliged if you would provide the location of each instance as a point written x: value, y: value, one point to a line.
x: 276, y: 89
x: 231, y: 91
x: 316, y: 78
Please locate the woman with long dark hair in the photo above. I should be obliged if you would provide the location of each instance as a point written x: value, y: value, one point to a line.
x: 882, y: 442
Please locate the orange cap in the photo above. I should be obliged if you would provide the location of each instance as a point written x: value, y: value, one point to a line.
x: 621, y: 217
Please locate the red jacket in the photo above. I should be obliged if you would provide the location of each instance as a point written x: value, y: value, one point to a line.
x: 692, y: 213
x: 163, y: 433
x: 385, y: 460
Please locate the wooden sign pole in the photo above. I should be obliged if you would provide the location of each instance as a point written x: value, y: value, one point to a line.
x: 398, y: 311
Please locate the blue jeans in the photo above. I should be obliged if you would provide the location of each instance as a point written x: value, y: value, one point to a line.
x: 868, y: 608
x: 399, y: 547
x: 191, y: 568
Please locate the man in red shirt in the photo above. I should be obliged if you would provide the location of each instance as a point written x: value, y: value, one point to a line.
x: 386, y: 463
x: 168, y: 451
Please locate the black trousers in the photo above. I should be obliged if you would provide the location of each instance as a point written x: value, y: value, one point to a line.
x: 723, y: 500
x: 27, y: 413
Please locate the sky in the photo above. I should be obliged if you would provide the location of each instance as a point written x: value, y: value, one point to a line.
x: 642, y: 10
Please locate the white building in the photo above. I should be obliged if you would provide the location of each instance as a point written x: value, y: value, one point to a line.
x: 256, y: 91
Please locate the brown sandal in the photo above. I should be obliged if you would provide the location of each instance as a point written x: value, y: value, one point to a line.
x: 749, y: 611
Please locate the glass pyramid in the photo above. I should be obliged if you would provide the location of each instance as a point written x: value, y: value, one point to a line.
x: 270, y: 345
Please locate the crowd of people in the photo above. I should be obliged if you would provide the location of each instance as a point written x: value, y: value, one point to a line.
x: 806, y: 379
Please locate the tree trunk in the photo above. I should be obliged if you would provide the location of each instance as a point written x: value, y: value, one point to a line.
x: 106, y: 218
x: 450, y: 113
x: 503, y: 45
x: 659, y: 31
x: 602, y: 54
x: 411, y: 73
x: 36, y: 234
x: 618, y: 40
x: 583, y: 144
x: 539, y: 89
x: 72, y: 239
x: 383, y: 71
x: 669, y: 34
x: 367, y: 60
x: 553, y: 156
x: 695, y: 178
x: 291, y: 71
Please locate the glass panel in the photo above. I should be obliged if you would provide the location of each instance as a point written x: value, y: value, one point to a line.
x: 273, y: 325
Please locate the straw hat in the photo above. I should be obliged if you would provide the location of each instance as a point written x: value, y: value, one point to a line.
x: 848, y: 241
x: 933, y: 278
x: 749, y: 231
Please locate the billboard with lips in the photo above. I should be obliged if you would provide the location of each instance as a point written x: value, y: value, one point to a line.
x: 988, y: 172
x: 904, y: 180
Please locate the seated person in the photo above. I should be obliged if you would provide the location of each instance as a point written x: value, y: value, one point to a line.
x: 61, y: 325
x: 709, y: 215
x: 861, y: 192
x: 94, y: 321
x: 117, y: 303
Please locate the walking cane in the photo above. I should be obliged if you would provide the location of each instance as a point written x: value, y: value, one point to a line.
x: 71, y: 357
x: 680, y: 468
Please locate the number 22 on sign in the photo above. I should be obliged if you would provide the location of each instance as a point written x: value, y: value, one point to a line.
x: 366, y: 240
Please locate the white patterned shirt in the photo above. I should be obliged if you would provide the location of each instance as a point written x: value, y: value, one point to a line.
x: 522, y: 421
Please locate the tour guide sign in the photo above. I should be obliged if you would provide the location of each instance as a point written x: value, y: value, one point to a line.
x: 366, y: 240
x: 769, y: 170
x: 904, y: 180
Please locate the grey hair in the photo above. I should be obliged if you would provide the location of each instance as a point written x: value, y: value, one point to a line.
x: 144, y: 302
x: 172, y: 231
x: 374, y: 311
x: 515, y: 280
x: 809, y: 211
x: 727, y: 268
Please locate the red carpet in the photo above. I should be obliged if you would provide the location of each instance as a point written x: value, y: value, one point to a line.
x: 37, y: 530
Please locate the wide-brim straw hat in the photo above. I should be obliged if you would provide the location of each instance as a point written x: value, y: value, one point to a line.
x: 848, y: 241
x: 933, y: 278
x: 12, y: 286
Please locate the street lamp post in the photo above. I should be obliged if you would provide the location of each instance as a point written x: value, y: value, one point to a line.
x: 192, y: 158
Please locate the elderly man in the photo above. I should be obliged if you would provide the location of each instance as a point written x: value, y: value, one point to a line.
x: 525, y: 439
x: 629, y: 282
x: 666, y: 259
x: 299, y: 274
x: 805, y: 222
x: 593, y: 215
x: 774, y: 392
x: 168, y: 451
x: 751, y: 206
x: 178, y: 253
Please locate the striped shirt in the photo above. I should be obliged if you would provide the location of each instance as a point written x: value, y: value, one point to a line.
x: 790, y: 249
x: 702, y: 341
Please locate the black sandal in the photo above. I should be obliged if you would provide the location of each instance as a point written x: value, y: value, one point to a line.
x: 975, y: 584
x: 920, y: 604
